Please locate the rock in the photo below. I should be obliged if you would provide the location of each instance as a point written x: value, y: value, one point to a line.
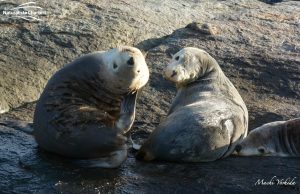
x: 206, y: 29
x: 256, y: 45
x: 32, y: 51
x: 3, y: 106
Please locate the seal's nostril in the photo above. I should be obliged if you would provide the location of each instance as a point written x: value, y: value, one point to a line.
x: 238, y: 148
x: 174, y: 73
x: 115, y: 65
x: 138, y: 71
x: 130, y: 62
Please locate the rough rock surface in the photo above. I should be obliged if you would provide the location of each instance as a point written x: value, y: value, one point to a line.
x: 256, y: 44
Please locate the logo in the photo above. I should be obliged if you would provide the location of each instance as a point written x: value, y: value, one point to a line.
x: 290, y: 181
x: 29, y: 11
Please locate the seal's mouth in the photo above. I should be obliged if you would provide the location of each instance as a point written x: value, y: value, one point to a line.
x: 174, y: 73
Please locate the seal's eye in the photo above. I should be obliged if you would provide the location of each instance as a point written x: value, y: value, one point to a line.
x: 174, y: 73
x: 130, y: 62
x: 177, y: 58
x: 115, y: 65
x: 261, y: 150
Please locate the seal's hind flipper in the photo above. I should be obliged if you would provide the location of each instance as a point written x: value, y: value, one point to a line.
x: 136, y: 146
x: 115, y: 159
x: 18, y: 125
x: 133, y: 145
x: 127, y: 112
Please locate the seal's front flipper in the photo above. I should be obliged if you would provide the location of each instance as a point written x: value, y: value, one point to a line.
x: 129, y: 102
x: 114, y: 160
x: 18, y: 125
x: 127, y: 113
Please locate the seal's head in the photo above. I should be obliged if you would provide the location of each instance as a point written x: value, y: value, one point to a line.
x: 126, y: 68
x: 188, y: 65
x: 261, y: 141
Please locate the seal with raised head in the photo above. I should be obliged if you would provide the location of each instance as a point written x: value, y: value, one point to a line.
x: 279, y: 138
x: 207, y: 118
x: 88, y: 106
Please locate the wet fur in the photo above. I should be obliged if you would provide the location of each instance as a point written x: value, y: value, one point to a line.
x: 88, y: 106
x: 280, y: 138
x: 207, y: 118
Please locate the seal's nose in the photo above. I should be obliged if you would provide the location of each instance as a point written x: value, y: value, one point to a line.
x: 130, y: 62
x: 238, y: 148
x: 174, y: 73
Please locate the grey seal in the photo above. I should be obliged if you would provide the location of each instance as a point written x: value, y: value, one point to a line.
x: 279, y: 138
x: 88, y: 106
x: 207, y: 118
